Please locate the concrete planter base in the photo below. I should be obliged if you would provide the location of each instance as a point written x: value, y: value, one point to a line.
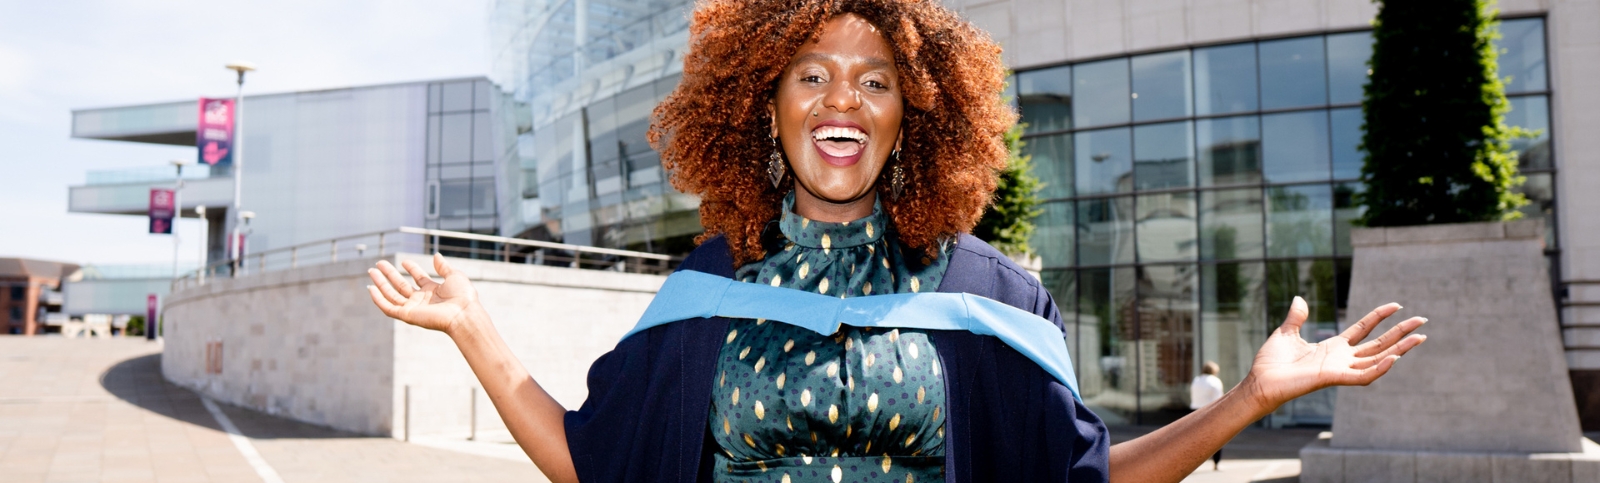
x: 1488, y: 398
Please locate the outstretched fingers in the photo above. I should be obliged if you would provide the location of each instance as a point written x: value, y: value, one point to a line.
x: 418, y: 274
x: 1395, y: 350
x: 384, y: 288
x: 384, y: 305
x: 1365, y: 376
x: 1389, y: 337
x: 440, y: 267
x: 400, y: 283
x: 1364, y: 327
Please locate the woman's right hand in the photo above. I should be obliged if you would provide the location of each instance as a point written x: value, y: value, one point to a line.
x: 428, y: 304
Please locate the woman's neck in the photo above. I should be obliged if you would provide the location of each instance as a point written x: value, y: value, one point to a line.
x: 812, y: 207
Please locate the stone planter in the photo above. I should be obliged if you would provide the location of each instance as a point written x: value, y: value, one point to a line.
x: 1488, y: 397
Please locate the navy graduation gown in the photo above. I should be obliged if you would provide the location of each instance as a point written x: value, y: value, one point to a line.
x: 1008, y: 420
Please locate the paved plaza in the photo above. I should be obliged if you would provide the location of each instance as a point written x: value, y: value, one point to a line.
x: 87, y: 410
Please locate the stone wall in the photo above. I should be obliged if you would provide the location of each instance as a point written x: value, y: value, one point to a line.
x: 307, y: 343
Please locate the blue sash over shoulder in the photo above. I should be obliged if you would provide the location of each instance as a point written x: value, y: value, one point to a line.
x: 690, y: 294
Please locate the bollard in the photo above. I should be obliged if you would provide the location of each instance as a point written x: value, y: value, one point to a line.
x: 407, y: 408
x: 472, y: 419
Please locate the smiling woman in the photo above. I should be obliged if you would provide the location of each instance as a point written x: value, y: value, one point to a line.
x: 844, y: 148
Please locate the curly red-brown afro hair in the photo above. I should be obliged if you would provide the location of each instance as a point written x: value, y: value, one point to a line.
x: 712, y: 132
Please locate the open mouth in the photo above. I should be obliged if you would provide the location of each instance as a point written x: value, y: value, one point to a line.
x: 840, y: 145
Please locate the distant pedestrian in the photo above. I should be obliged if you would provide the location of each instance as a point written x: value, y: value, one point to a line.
x: 1207, y: 389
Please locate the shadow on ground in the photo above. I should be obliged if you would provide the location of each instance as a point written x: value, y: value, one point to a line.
x: 139, y: 382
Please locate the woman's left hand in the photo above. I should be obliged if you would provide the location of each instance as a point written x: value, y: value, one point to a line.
x: 1288, y: 367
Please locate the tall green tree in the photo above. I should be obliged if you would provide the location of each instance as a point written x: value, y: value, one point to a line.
x: 1008, y: 221
x: 1438, y: 149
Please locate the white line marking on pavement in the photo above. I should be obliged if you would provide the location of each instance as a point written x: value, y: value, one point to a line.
x: 265, y: 471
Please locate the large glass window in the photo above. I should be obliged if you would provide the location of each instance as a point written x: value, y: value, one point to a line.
x: 1161, y: 88
x: 1102, y: 93
x: 1294, y: 146
x: 1163, y: 156
x: 1230, y: 150
x: 1225, y: 79
x: 1293, y: 73
x: 1193, y: 193
x: 1104, y: 163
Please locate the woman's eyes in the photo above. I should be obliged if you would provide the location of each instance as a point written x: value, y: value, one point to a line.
x: 870, y: 84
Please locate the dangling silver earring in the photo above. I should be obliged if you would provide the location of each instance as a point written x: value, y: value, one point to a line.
x: 775, y: 164
x: 897, y: 177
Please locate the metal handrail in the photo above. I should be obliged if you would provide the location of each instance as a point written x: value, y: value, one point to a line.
x: 599, y: 257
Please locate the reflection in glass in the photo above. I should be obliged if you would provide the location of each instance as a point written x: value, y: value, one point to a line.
x: 1230, y: 224
x: 1161, y: 87
x: 1294, y: 146
x: 1101, y: 90
x: 1346, y: 138
x: 1063, y: 288
x: 1168, y: 302
x: 1163, y: 156
x: 1531, y: 113
x: 1104, y: 163
x: 1540, y: 190
x: 1312, y: 280
x: 1166, y: 227
x: 1045, y: 97
x: 1522, y: 56
x: 1052, y: 164
x: 455, y: 145
x: 1053, y: 234
x: 1105, y: 231
x: 1345, y: 213
x: 1230, y: 150
x: 1225, y: 79
x: 1299, y: 219
x: 1232, y: 315
x: 1293, y: 73
x: 1106, y: 376
x: 1347, y: 66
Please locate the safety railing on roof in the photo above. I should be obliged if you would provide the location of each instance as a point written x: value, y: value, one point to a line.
x: 422, y: 240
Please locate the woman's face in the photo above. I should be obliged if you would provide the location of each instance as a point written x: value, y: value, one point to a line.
x: 837, y: 114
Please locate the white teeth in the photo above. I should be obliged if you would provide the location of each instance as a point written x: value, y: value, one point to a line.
x: 826, y: 132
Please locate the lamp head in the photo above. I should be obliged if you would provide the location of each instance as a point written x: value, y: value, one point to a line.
x: 200, y: 211
x: 179, y: 162
x: 240, y: 66
x: 247, y: 215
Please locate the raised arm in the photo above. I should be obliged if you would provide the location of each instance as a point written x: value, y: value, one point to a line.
x: 1286, y: 367
x: 534, y: 418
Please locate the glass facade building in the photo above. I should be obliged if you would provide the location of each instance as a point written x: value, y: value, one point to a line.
x: 1192, y: 193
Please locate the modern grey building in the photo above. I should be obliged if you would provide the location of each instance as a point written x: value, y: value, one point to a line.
x: 1199, y: 160
x: 322, y: 164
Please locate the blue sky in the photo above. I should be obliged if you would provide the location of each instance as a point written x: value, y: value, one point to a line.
x: 56, y: 56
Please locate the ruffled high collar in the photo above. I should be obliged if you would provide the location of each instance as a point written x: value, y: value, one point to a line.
x: 810, y: 233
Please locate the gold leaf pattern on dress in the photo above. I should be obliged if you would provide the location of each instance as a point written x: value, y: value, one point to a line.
x: 805, y: 398
x: 916, y: 285
x: 822, y: 287
x: 941, y: 431
x: 897, y: 374
x: 786, y: 478
x: 777, y: 279
x: 894, y: 335
x: 804, y: 221
x: 910, y: 438
x: 761, y: 411
x: 790, y: 345
x: 887, y: 463
x: 811, y: 357
x: 726, y: 427
x: 833, y: 369
x: 894, y: 422
x: 762, y: 362
x: 885, y: 262
x: 762, y: 465
x: 833, y: 414
x: 779, y: 449
x: 744, y: 353
x: 869, y: 229
x: 909, y: 479
x: 781, y: 377
x: 827, y: 243
x: 724, y: 380
x: 761, y: 321
x: 736, y: 396
x: 936, y: 412
x: 921, y: 392
x: 788, y: 422
x: 866, y: 289
x: 748, y: 440
x: 731, y: 335
x: 806, y: 458
x: 868, y: 449
x: 871, y: 358
x: 805, y: 269
x: 847, y: 343
x: 835, y: 453
x: 872, y: 403
x: 851, y: 383
x: 838, y: 474
x: 912, y: 350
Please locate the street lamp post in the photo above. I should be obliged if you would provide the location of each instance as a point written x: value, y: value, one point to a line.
x: 177, y: 210
x: 205, y: 227
x: 238, y: 158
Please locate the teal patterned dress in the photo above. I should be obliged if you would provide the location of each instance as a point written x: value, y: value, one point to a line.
x: 861, y: 405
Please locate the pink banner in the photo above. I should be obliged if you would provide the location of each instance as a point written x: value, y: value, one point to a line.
x: 162, y: 210
x: 214, y: 134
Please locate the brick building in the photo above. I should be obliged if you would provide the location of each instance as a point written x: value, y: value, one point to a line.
x: 28, y: 289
